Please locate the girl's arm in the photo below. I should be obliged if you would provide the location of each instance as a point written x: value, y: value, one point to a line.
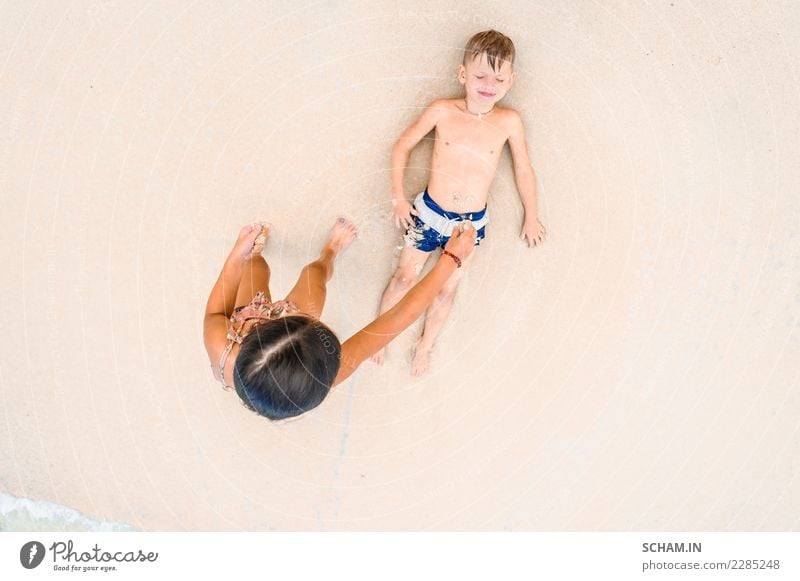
x: 222, y: 299
x: 382, y: 330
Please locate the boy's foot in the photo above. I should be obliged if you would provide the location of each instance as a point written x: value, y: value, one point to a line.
x: 420, y: 361
x: 379, y: 357
x: 342, y: 234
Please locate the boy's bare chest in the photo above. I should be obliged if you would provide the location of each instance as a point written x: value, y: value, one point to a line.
x: 474, y: 137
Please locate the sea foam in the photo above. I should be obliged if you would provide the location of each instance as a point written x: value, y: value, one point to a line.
x: 24, y: 514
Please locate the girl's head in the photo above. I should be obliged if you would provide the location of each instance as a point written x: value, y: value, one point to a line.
x: 285, y: 367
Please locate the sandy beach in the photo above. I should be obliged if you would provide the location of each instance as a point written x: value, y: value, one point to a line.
x: 633, y: 373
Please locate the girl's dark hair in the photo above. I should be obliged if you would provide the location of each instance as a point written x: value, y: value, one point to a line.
x: 286, y: 366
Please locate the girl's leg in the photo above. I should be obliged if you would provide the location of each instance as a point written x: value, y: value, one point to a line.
x: 255, y: 277
x: 310, y: 290
x: 435, y: 318
x: 411, y: 264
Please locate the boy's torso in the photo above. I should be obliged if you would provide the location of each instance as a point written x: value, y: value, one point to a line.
x: 466, y: 152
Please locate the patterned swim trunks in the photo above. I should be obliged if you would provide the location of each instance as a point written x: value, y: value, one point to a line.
x: 433, y: 226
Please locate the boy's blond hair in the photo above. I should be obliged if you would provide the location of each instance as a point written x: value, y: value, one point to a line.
x: 497, y: 46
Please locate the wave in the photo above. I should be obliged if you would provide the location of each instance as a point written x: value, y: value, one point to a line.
x: 24, y: 514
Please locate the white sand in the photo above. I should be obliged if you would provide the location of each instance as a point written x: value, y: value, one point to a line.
x: 634, y: 373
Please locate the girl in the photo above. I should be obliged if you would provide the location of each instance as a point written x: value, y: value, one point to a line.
x: 278, y: 356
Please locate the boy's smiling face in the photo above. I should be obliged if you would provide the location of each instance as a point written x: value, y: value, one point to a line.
x: 484, y: 85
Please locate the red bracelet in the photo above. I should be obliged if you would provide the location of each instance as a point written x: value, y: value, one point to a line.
x: 454, y: 257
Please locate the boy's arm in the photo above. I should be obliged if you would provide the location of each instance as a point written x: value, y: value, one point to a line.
x: 525, y: 177
x: 402, y: 150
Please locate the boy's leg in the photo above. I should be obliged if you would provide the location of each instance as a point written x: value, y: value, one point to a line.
x: 255, y: 277
x: 411, y: 264
x: 311, y: 288
x: 435, y: 318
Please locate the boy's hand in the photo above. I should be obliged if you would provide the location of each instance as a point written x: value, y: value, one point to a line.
x: 462, y: 241
x: 533, y: 230
x: 402, y: 211
x: 250, y: 241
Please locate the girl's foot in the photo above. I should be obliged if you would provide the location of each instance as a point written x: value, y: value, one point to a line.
x: 342, y: 235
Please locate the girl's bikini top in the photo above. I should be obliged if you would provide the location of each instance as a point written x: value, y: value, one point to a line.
x: 257, y: 309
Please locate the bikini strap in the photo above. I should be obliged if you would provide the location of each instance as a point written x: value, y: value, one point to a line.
x: 257, y: 309
x: 233, y: 337
x: 221, y: 370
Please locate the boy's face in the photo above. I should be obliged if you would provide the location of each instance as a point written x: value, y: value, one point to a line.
x: 485, y: 85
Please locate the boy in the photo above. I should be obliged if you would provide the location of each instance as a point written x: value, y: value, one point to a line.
x: 469, y: 136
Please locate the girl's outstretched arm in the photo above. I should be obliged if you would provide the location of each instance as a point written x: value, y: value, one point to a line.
x: 382, y: 330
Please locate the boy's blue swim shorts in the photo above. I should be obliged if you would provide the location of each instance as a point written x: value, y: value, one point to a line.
x: 433, y: 226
